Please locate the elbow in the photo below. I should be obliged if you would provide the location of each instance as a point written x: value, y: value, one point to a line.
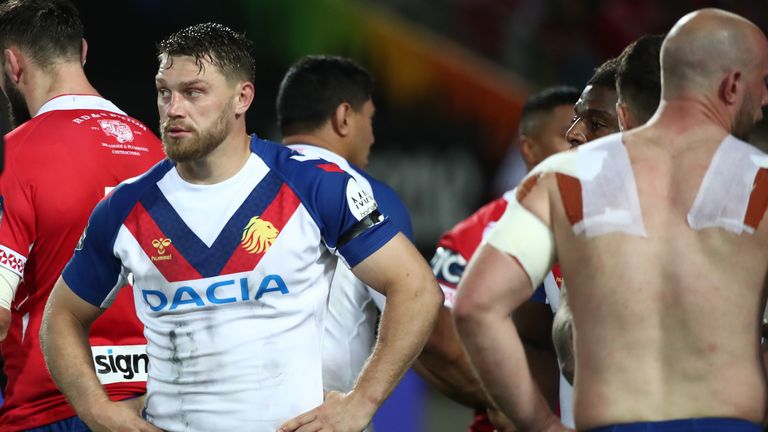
x: 466, y: 312
x: 435, y: 295
x: 430, y: 297
x: 474, y: 311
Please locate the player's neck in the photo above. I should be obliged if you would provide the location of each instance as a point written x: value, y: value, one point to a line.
x: 222, y: 163
x: 684, y: 117
x: 317, y: 140
x: 41, y: 86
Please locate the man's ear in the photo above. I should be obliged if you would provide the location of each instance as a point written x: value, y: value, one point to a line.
x: 13, y: 63
x: 625, y: 117
x: 526, y: 150
x: 731, y: 86
x: 83, y: 52
x: 340, y: 119
x: 245, y: 94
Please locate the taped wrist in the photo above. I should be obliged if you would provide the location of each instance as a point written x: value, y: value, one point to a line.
x: 523, y: 235
x: 9, y: 281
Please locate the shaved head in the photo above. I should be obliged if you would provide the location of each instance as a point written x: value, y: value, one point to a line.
x: 703, y: 47
x: 719, y: 59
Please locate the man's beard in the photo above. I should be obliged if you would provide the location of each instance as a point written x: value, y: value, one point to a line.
x: 13, y: 107
x: 745, y: 119
x: 200, y: 144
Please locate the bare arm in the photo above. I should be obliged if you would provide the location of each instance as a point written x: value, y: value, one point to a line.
x: 444, y: 364
x: 5, y: 322
x: 482, y: 310
x: 398, y: 271
x: 533, y: 321
x: 64, y: 340
x: 493, y: 286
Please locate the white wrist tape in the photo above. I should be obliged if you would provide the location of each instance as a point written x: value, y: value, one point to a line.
x: 9, y: 281
x: 523, y: 235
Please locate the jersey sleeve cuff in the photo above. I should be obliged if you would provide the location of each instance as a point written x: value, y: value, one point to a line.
x: 79, y: 282
x: 367, y: 243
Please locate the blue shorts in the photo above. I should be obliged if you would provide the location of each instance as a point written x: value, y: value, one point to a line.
x: 692, y: 425
x: 72, y: 424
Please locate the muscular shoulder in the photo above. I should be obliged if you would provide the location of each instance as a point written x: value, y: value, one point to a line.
x: 390, y: 204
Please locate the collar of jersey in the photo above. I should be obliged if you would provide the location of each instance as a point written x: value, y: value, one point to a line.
x: 322, y: 153
x: 209, y: 261
x: 78, y: 102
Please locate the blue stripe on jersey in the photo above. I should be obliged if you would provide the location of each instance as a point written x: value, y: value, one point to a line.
x: 94, y: 269
x: 210, y: 261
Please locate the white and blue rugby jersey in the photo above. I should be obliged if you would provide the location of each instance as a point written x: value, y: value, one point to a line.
x: 353, y: 307
x: 231, y: 282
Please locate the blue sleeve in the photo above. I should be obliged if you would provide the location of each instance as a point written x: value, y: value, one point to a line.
x: 540, y: 295
x: 392, y: 206
x: 346, y: 215
x: 94, y: 271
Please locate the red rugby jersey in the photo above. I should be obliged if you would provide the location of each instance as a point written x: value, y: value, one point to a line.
x: 59, y: 165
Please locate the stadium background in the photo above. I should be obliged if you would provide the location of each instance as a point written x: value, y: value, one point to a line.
x: 452, y: 76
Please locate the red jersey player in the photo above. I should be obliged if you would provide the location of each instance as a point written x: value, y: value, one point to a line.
x: 59, y: 164
x: 545, y: 119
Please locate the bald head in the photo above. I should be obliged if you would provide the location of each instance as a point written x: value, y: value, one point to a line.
x: 705, y: 46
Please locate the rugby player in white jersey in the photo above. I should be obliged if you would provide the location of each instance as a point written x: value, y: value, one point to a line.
x: 232, y: 243
x: 325, y: 110
x: 665, y: 254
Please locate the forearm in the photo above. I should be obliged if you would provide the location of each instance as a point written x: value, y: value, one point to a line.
x: 444, y: 364
x: 498, y: 357
x: 545, y: 372
x: 67, y: 354
x: 406, y: 323
x: 5, y: 322
x: 456, y: 380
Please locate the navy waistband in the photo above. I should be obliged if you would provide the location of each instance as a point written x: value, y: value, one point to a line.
x: 685, y: 425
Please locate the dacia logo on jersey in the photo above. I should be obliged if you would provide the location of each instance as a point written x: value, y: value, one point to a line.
x: 258, y: 235
x: 117, y: 129
x: 217, y: 293
x: 161, y: 244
